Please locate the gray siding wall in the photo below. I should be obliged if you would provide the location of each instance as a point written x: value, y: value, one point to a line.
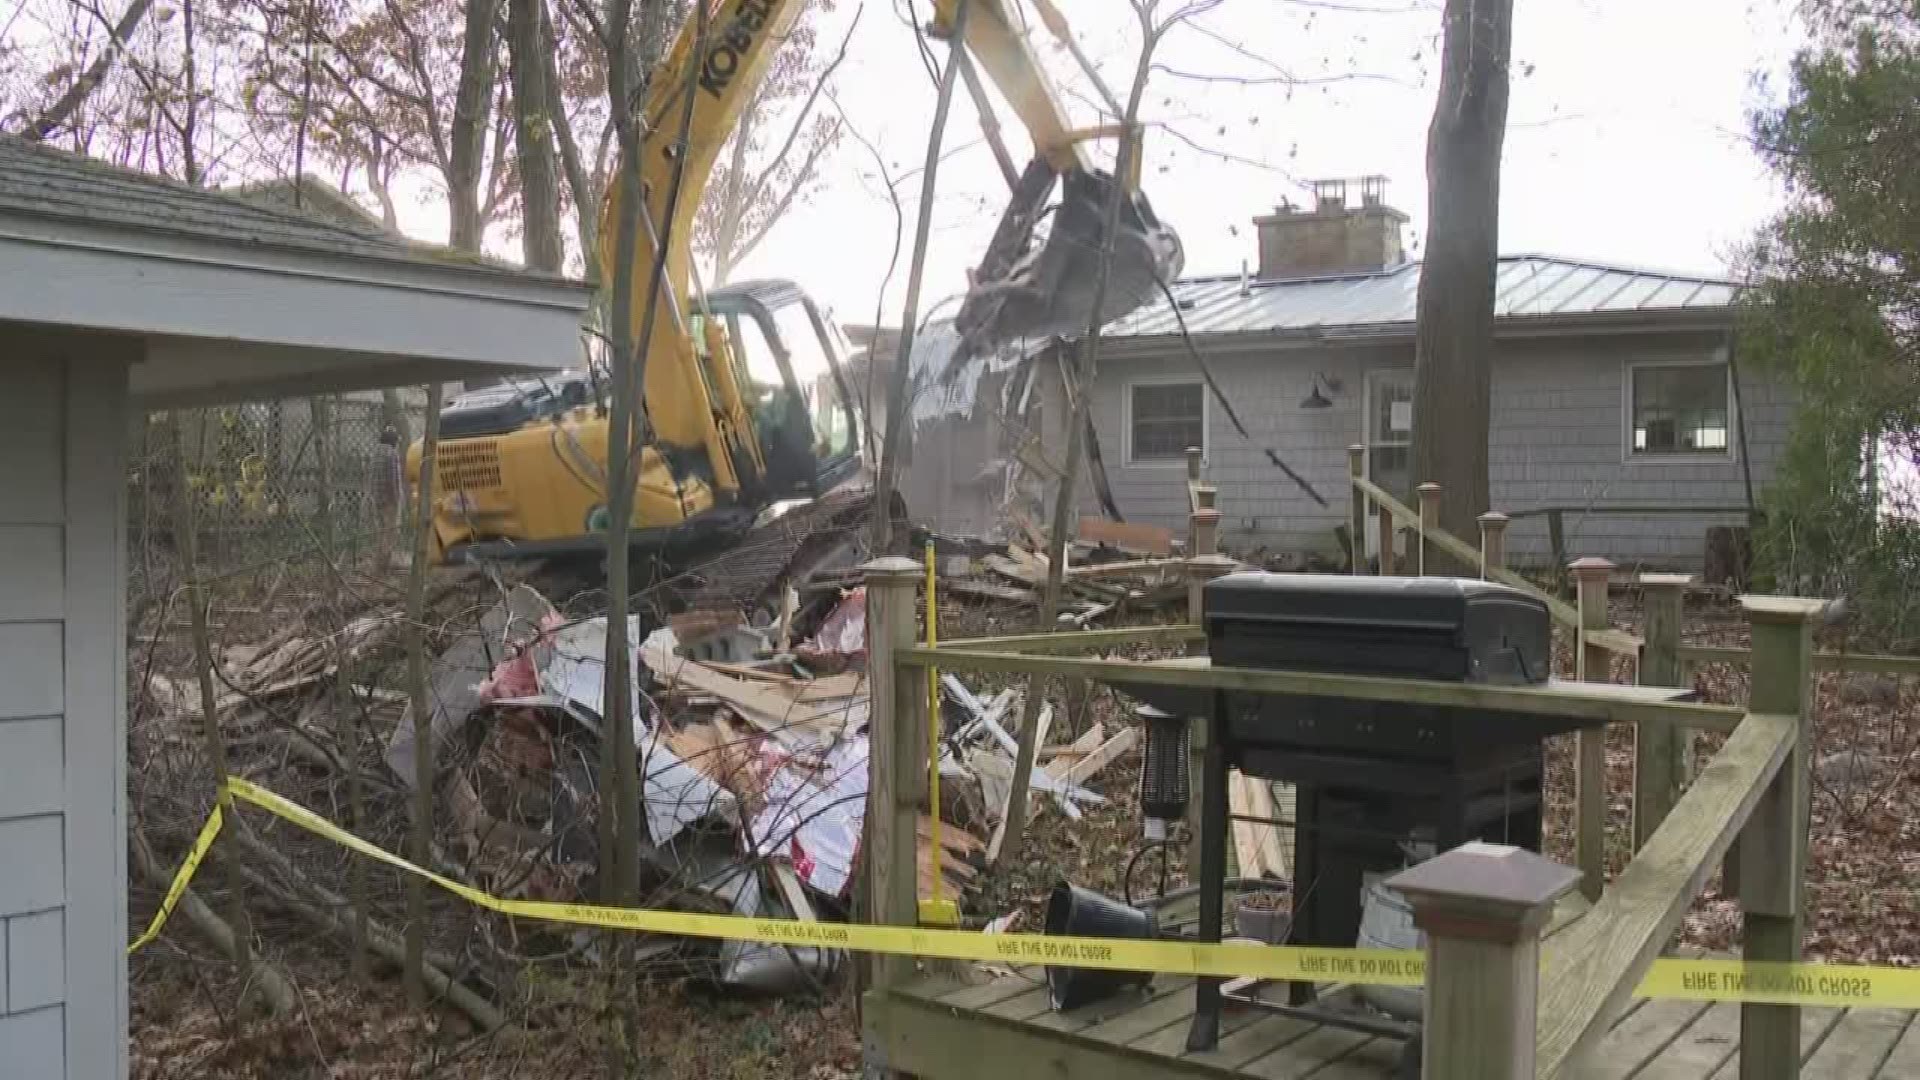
x: 1558, y: 438
x: 62, y: 736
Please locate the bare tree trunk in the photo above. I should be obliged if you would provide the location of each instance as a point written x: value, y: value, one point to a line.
x: 586, y: 194
x: 730, y: 195
x: 57, y: 114
x: 533, y: 136
x: 280, y: 994
x: 893, y: 446
x: 190, y: 126
x: 420, y: 836
x: 1454, y: 338
x: 345, y: 708
x: 187, y: 540
x: 472, y: 104
x: 1066, y: 496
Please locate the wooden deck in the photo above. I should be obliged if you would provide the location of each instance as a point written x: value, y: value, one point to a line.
x: 1005, y: 1029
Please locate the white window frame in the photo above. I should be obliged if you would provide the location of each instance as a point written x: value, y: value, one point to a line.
x: 1629, y: 456
x: 1206, y: 421
x: 1370, y: 387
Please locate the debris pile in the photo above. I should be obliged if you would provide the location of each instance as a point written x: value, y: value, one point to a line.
x: 752, y: 741
x: 1113, y: 570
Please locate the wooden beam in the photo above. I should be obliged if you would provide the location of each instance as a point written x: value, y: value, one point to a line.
x: 1246, y: 844
x: 1270, y: 852
x: 1483, y: 907
x: 1493, y: 542
x: 1618, y: 642
x: 1822, y: 661
x: 1469, y: 555
x: 1430, y: 532
x: 1773, y: 846
x: 1081, y: 640
x: 1085, y: 769
x: 1131, y: 566
x: 1592, y: 968
x: 1661, y: 760
x: 1356, y: 510
x: 896, y: 757
x: 1618, y: 704
x: 1590, y: 745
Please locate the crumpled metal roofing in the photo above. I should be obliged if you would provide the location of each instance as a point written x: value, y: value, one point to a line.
x: 1526, y: 285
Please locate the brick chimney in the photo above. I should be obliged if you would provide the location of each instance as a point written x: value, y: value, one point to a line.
x: 1332, y: 237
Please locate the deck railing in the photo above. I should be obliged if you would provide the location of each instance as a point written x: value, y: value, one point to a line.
x: 1489, y: 973
x: 1751, y: 798
x: 1663, y: 757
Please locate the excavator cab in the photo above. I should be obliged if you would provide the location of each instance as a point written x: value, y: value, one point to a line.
x: 789, y: 363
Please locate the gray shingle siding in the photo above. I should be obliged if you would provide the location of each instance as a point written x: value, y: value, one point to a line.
x: 1558, y: 438
x: 33, y: 797
x: 34, y: 1044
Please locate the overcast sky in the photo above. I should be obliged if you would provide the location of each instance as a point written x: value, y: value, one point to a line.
x: 1625, y: 140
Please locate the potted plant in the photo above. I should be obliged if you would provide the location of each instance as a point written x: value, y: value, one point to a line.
x: 1264, y: 915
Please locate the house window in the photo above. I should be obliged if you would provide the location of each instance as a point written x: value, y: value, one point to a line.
x: 1679, y: 409
x: 1164, y: 419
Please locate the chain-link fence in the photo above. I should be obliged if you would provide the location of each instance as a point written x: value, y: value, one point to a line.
x: 276, y: 483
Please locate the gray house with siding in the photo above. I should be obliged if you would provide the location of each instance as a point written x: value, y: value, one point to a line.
x: 1618, y: 400
x: 124, y: 293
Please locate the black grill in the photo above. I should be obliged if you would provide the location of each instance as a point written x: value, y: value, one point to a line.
x: 1373, y: 780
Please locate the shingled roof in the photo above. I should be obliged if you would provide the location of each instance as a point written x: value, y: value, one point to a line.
x: 42, y: 182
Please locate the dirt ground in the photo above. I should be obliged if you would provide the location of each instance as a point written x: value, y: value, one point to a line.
x: 1864, y: 882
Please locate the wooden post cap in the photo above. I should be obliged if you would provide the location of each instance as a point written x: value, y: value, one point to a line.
x: 1493, y: 519
x: 1591, y: 566
x: 1489, y: 892
x: 1207, y: 515
x: 1429, y: 486
x: 1355, y: 454
x: 892, y: 570
x: 1782, y: 609
x: 1212, y: 566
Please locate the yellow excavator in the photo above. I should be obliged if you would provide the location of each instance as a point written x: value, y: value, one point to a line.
x: 746, y: 408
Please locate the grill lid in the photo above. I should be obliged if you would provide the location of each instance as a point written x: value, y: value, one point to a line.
x: 1415, y: 603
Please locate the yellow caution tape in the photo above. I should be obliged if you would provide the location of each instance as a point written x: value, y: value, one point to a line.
x: 1690, y: 980
x: 179, y: 886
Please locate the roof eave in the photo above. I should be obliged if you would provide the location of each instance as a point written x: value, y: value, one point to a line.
x: 445, y: 268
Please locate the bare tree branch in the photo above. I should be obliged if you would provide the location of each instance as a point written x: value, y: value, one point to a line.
x: 57, y: 114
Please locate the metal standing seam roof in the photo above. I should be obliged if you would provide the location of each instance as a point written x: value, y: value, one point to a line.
x: 43, y: 182
x: 1525, y: 286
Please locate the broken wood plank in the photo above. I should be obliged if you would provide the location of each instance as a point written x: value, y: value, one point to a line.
x: 952, y: 837
x: 987, y: 590
x: 757, y: 703
x: 847, y: 684
x: 1015, y: 571
x: 1088, y: 767
x: 1246, y: 845
x: 1087, y: 743
x: 1256, y: 843
x: 749, y: 671
x: 1129, y: 536
x: 1276, y: 841
x: 787, y: 882
x: 1125, y: 569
